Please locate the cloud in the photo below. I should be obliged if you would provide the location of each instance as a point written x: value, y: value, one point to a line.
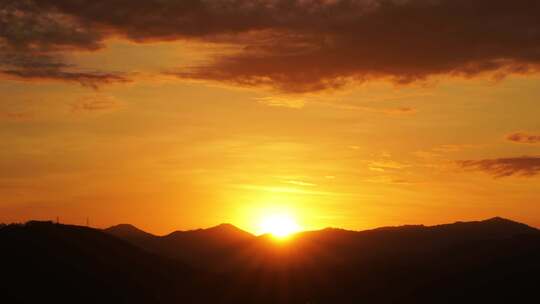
x: 385, y: 165
x: 300, y: 183
x: 282, y: 101
x: 33, y: 40
x: 15, y: 116
x: 293, y: 190
x: 441, y: 150
x: 97, y: 103
x: 28, y: 64
x: 398, y: 111
x: 321, y: 45
x: 524, y: 138
x: 502, y: 167
x: 384, y: 179
x: 25, y: 25
x: 299, y: 45
x: 87, y: 79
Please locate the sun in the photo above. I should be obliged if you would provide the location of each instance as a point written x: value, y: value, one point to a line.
x: 279, y: 225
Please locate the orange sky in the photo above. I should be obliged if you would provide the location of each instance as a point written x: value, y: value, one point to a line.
x: 150, y: 140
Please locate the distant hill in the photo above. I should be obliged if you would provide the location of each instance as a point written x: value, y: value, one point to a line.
x: 491, y: 261
x: 202, y: 248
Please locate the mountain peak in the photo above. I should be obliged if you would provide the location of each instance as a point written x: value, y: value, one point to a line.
x: 228, y: 229
x: 127, y: 230
x: 225, y: 227
x: 501, y: 220
x: 123, y: 227
x: 496, y: 227
x: 223, y: 232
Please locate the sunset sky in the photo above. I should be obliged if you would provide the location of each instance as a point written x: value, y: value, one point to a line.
x: 346, y: 113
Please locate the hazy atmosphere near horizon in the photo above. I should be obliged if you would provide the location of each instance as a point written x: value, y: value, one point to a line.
x: 269, y: 114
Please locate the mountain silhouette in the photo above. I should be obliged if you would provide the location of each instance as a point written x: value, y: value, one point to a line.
x: 201, y: 248
x: 44, y: 262
x: 227, y: 242
x: 127, y: 231
x: 495, y: 261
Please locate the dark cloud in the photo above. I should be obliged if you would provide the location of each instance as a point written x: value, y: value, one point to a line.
x: 25, y: 26
x: 503, y: 167
x: 524, y: 138
x: 32, y: 41
x: 29, y: 65
x: 305, y: 45
x: 87, y: 79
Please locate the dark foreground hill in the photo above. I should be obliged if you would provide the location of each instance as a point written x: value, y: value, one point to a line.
x: 44, y: 262
x: 493, y: 261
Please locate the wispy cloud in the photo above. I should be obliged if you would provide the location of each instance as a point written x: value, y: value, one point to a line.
x: 441, y: 150
x: 88, y: 79
x: 95, y: 103
x: 384, y: 165
x: 527, y: 166
x: 300, y: 183
x: 282, y: 101
x: 383, y: 179
x: 292, y: 190
x: 370, y: 109
x: 16, y: 116
x: 524, y: 138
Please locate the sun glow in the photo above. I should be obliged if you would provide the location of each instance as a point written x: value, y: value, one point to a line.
x: 279, y: 225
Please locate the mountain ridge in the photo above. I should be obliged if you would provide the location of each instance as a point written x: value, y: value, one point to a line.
x: 229, y: 226
x: 217, y: 248
x: 445, y: 264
